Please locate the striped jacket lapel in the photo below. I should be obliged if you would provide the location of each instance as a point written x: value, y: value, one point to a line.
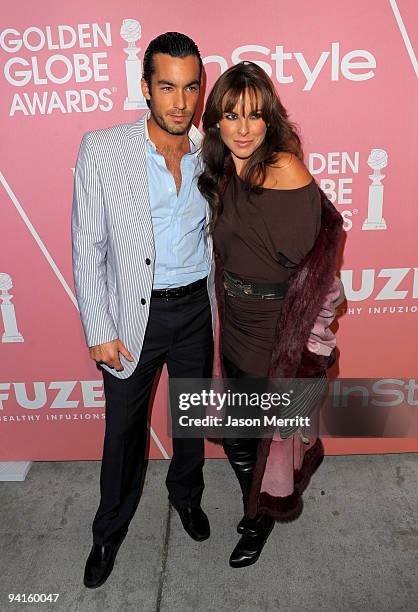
x: 135, y: 164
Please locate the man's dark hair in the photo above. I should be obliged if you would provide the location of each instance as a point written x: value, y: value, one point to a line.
x: 171, y: 43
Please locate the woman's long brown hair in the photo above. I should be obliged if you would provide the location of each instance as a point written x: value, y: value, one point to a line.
x: 245, y: 78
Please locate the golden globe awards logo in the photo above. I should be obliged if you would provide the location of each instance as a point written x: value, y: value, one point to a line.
x: 30, y: 72
x: 7, y: 311
x: 378, y: 159
x: 338, y: 170
x: 131, y: 32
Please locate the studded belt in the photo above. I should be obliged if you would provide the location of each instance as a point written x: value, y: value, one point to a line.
x: 241, y: 287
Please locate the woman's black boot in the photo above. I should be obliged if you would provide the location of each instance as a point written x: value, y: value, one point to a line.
x: 241, y: 453
x: 251, y: 543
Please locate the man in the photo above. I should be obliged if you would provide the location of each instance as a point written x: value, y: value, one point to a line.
x: 144, y: 281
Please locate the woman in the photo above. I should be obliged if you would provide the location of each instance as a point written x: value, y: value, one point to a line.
x: 275, y: 240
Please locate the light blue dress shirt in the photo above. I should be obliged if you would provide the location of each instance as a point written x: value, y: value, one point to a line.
x: 178, y: 220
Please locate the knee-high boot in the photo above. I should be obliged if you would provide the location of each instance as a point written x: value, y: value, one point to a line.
x: 241, y: 453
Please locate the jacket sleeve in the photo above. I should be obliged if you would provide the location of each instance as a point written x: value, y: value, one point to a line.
x: 89, y: 247
x: 319, y: 354
x: 322, y: 340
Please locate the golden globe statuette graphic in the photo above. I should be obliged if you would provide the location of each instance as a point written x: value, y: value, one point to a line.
x: 377, y: 160
x: 130, y: 31
x: 7, y: 309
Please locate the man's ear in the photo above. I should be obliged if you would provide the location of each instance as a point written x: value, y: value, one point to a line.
x: 145, y: 91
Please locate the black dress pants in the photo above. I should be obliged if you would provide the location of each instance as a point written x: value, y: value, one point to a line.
x: 179, y: 333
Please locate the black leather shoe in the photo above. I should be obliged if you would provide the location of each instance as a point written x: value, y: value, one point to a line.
x: 251, y: 543
x: 195, y: 522
x: 99, y: 564
x: 244, y: 524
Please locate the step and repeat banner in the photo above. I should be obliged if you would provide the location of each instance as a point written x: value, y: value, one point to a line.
x: 347, y: 73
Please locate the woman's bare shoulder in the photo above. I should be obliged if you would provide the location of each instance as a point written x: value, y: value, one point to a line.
x: 287, y: 172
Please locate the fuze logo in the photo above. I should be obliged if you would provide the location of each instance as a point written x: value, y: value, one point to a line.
x: 55, y: 394
x: 57, y: 69
x: 399, y: 284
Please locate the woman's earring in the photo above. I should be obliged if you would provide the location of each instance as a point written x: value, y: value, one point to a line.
x: 217, y: 125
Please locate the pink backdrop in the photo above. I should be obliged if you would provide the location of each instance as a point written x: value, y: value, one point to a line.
x: 346, y: 71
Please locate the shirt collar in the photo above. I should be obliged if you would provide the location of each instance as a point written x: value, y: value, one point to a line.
x: 194, y: 146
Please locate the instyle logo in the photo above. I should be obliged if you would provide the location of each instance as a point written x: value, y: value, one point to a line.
x: 383, y: 392
x: 283, y: 66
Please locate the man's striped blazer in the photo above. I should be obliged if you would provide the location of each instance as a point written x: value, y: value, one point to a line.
x: 113, y: 241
